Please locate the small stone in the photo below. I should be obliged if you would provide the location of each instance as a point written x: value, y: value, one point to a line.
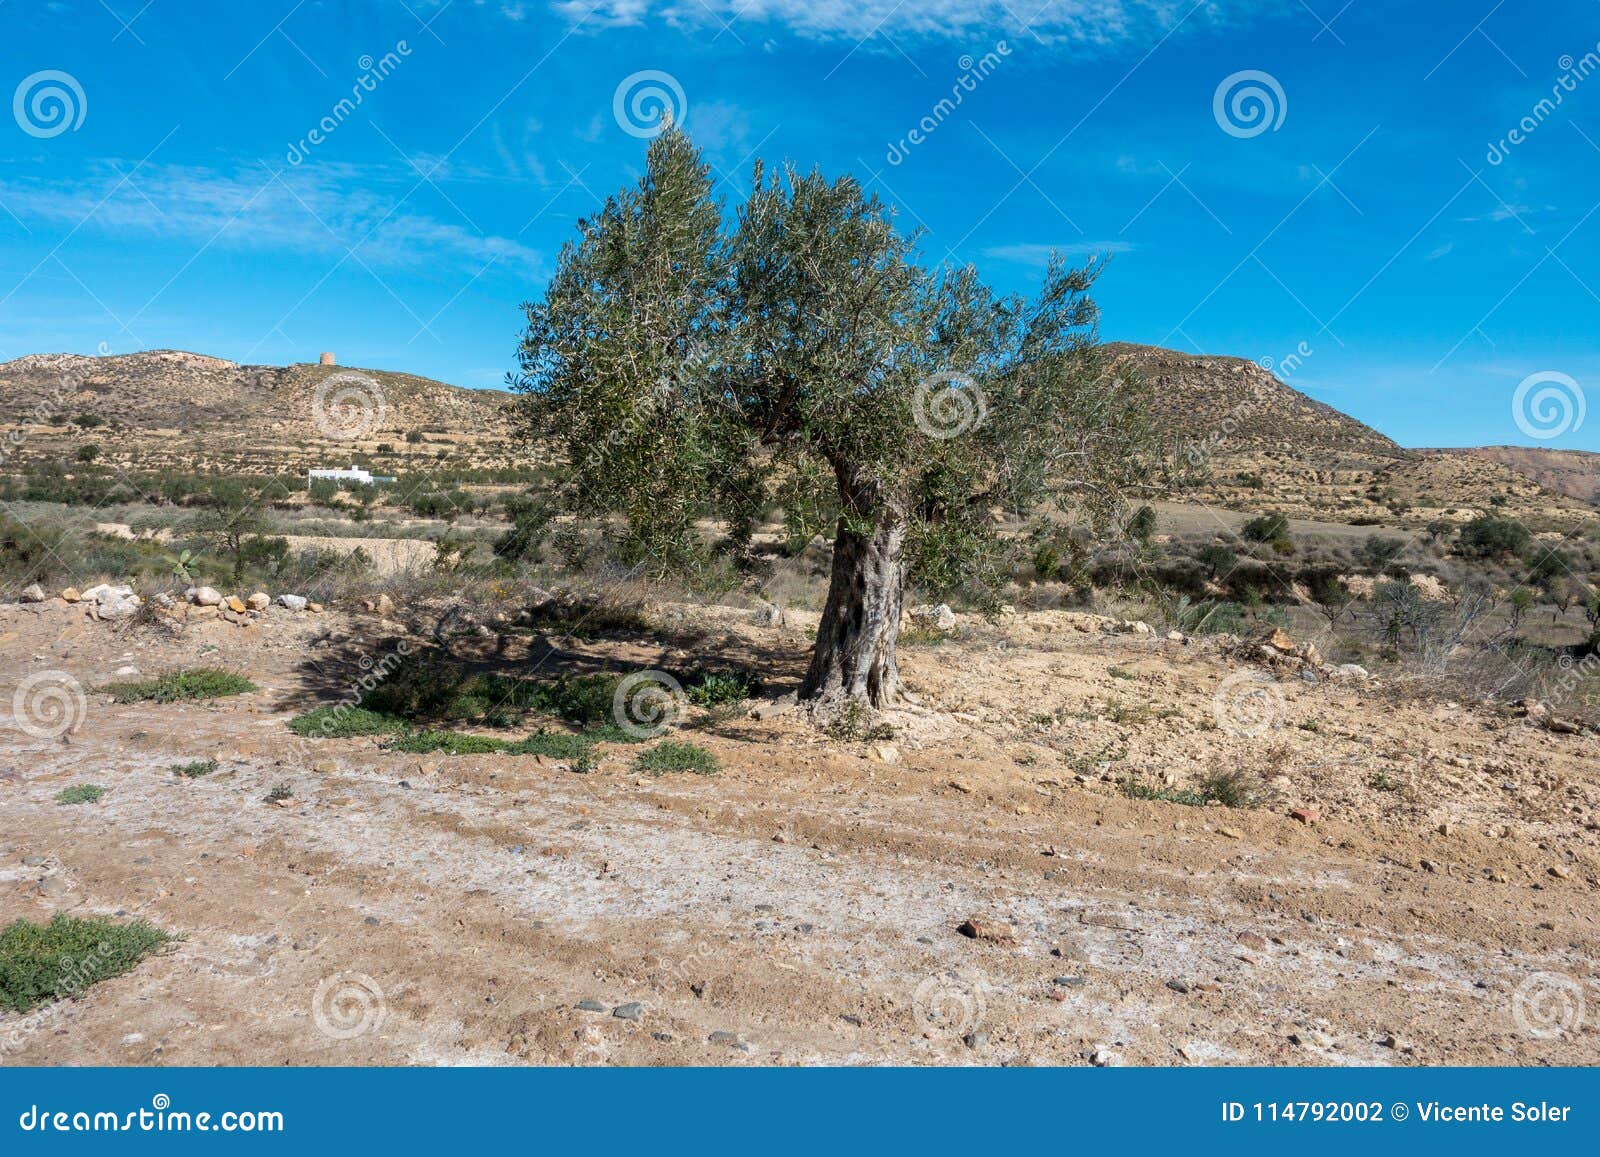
x: 665, y: 1038
x: 1230, y: 833
x: 989, y: 931
x: 633, y: 1010
x: 1068, y: 982
x: 962, y: 786
x: 33, y: 593
x: 1560, y: 873
x: 590, y: 1006
x: 724, y: 1038
x: 292, y: 602
x: 259, y: 601
x: 325, y: 766
x: 71, y: 595
x: 314, y: 608
x: 1306, y: 815
x: 1428, y: 865
x: 975, y: 1040
x: 236, y: 604
x: 886, y: 753
x: 204, y: 596
x: 1252, y: 940
x: 1178, y: 986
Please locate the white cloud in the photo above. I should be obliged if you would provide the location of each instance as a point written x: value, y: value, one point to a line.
x: 330, y: 209
x: 1082, y: 22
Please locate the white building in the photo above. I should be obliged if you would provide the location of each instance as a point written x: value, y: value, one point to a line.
x: 353, y: 474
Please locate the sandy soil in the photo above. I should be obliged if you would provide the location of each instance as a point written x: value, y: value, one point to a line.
x: 804, y: 904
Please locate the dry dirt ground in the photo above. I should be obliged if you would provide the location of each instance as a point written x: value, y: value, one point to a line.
x: 803, y: 905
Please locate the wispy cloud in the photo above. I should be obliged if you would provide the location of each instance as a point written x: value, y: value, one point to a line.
x: 1039, y: 255
x: 1078, y: 22
x: 333, y: 209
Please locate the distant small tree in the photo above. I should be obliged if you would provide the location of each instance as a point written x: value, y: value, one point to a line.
x: 1520, y: 601
x: 88, y: 453
x: 693, y: 371
x: 234, y: 512
x: 1331, y: 594
x: 1440, y: 529
x: 1378, y: 552
x: 1216, y: 558
x: 413, y: 437
x: 1270, y: 527
x: 1490, y: 537
x: 1143, y: 524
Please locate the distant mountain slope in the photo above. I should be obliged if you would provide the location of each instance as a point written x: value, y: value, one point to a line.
x: 1226, y: 400
x: 167, y: 408
x: 1257, y: 443
x: 1246, y: 440
x: 1575, y: 473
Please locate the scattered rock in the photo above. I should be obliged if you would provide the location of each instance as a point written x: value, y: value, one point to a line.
x: 1178, y: 986
x: 235, y: 604
x: 259, y: 601
x: 1560, y: 873
x: 886, y: 753
x: 724, y: 1038
x: 933, y: 617
x: 633, y: 1010
x: 33, y: 593
x: 71, y: 595
x: 989, y: 931
x: 590, y: 1006
x: 204, y: 596
x: 1252, y: 940
x: 293, y: 602
x: 975, y: 1040
x: 1306, y: 815
x: 314, y: 608
x: 1279, y: 641
x: 962, y: 786
x: 767, y: 614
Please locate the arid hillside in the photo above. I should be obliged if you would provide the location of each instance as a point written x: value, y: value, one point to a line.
x: 1238, y: 437
x: 166, y: 409
x: 1242, y: 439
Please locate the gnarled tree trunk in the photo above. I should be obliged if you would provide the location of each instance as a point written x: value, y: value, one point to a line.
x: 854, y: 656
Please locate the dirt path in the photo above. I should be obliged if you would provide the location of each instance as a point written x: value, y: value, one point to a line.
x: 421, y: 910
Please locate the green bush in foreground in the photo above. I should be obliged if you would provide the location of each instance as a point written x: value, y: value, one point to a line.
x: 195, y: 768
x: 344, y: 722
x: 201, y: 683
x: 80, y: 793
x: 45, y: 962
x: 675, y: 756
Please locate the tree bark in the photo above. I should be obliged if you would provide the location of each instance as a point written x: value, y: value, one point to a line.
x: 855, y: 653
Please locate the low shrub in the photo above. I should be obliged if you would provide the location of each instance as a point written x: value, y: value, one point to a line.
x: 201, y: 683
x: 44, y: 962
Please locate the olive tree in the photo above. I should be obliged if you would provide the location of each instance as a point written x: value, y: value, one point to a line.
x: 699, y: 366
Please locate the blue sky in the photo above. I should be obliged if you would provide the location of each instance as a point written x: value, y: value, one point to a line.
x: 1362, y: 226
